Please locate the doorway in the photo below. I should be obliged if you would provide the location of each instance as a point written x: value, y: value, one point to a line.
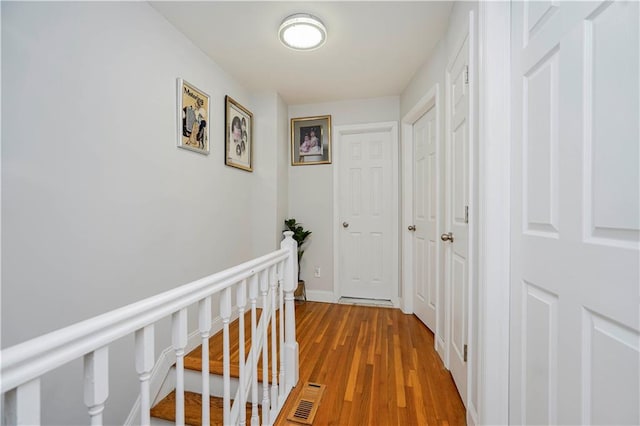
x: 453, y: 228
x: 366, y: 216
x: 422, y: 189
x: 426, y: 242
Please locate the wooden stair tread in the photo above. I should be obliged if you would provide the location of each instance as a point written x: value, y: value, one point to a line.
x: 166, y: 409
x: 193, y: 360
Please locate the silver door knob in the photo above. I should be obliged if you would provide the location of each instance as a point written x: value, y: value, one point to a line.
x: 447, y: 237
x: 345, y: 224
x: 411, y: 228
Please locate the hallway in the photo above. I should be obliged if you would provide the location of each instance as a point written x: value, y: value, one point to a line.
x: 379, y: 365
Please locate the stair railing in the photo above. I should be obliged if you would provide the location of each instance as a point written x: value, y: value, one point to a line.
x: 274, y: 397
x: 273, y: 277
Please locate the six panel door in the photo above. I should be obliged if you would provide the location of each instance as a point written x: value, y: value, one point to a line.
x: 575, y: 213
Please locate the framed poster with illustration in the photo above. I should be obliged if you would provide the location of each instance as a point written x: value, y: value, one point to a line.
x: 238, y: 135
x: 193, y: 118
x: 311, y: 140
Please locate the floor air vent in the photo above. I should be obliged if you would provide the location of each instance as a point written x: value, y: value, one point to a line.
x: 307, y: 404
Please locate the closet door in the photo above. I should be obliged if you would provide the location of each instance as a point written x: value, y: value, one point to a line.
x: 575, y: 213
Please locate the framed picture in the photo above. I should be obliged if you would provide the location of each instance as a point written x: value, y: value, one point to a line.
x: 193, y: 118
x: 311, y: 140
x: 238, y: 135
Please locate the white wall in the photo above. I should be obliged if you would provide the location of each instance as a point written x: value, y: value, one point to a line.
x: 311, y: 187
x: 270, y: 189
x: 431, y: 73
x: 282, y: 142
x: 99, y: 206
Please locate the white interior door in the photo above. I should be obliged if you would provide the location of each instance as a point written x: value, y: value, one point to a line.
x: 457, y: 242
x: 574, y: 341
x: 426, y: 240
x: 367, y: 212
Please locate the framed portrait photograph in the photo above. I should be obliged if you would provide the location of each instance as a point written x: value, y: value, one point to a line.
x: 238, y: 135
x: 311, y: 140
x: 193, y: 118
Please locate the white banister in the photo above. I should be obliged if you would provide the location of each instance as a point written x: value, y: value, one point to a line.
x: 274, y: 336
x: 281, y: 384
x: 241, y: 300
x: 204, y: 325
x: 264, y: 319
x: 145, y: 360
x: 22, y: 405
x: 253, y: 297
x: 225, y: 314
x: 179, y: 337
x: 29, y: 360
x: 96, y: 383
x: 271, y: 276
x: 290, y: 283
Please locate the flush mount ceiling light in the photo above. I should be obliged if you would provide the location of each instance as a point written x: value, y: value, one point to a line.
x: 302, y: 32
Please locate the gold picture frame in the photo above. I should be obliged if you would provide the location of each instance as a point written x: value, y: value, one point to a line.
x: 238, y: 151
x: 311, y: 140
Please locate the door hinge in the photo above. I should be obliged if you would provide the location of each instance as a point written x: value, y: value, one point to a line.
x: 466, y: 74
x: 466, y: 214
x: 465, y: 353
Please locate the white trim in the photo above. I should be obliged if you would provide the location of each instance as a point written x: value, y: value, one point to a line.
x: 338, y: 132
x: 472, y: 409
x: 430, y: 100
x: 322, y: 296
x: 494, y: 211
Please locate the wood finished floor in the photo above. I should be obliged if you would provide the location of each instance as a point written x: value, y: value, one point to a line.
x: 379, y: 365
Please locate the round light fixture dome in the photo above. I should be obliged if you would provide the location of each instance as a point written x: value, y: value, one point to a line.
x: 302, y: 32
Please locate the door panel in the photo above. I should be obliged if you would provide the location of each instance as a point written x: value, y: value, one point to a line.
x: 457, y: 252
x: 575, y: 343
x: 425, y: 236
x: 366, y: 229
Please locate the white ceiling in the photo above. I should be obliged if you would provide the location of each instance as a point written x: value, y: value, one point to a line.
x: 373, y: 48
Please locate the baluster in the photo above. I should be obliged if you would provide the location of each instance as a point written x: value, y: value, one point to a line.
x: 145, y: 359
x: 241, y: 299
x: 264, y: 290
x: 281, y: 330
x: 96, y: 383
x: 22, y: 405
x: 274, y: 337
x: 179, y: 337
x: 253, y: 296
x: 290, y: 281
x: 225, y: 314
x: 204, y: 322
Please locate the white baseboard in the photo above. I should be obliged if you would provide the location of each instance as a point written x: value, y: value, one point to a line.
x: 472, y: 414
x: 404, y: 305
x: 440, y: 349
x: 321, y: 296
x: 397, y: 303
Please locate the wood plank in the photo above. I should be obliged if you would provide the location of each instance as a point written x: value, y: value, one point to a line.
x: 193, y: 360
x: 166, y: 409
x: 379, y: 365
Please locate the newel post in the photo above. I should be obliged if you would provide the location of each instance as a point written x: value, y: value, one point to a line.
x: 289, y: 285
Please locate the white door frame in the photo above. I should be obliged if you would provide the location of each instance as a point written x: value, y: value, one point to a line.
x: 430, y: 100
x: 339, y: 132
x: 494, y: 175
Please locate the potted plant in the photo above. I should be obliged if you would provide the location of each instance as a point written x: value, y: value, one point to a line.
x: 300, y: 235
